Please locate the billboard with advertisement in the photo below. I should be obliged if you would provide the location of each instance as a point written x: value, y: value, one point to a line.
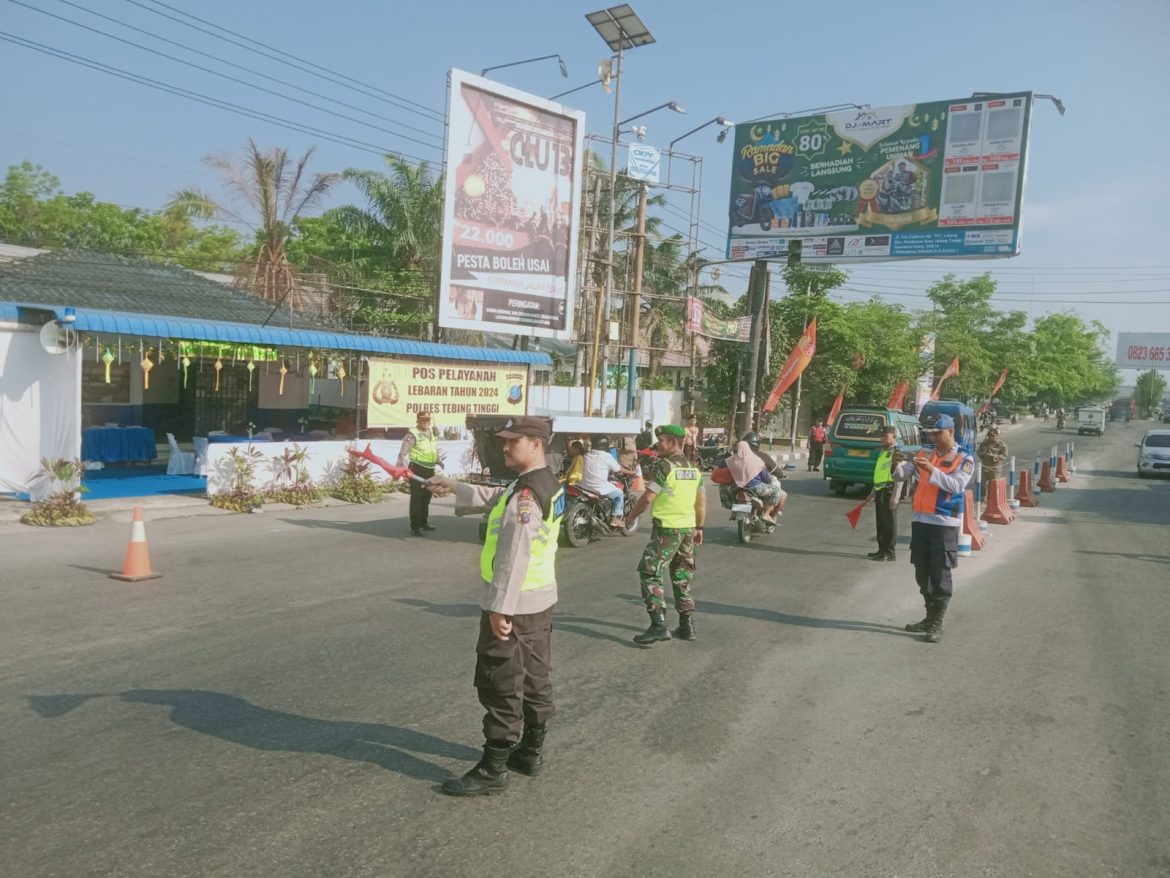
x: 940, y: 179
x: 400, y: 389
x: 1143, y: 350
x: 513, y: 186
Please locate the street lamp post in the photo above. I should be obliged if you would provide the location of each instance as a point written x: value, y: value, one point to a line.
x: 621, y: 29
x: 718, y: 120
x: 560, y: 60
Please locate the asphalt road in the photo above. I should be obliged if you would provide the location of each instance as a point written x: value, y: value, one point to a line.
x: 286, y: 700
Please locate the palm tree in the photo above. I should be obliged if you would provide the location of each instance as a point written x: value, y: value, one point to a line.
x: 266, y: 187
x: 404, y: 217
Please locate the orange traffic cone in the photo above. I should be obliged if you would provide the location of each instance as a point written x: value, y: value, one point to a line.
x: 1024, y: 492
x: 136, y: 567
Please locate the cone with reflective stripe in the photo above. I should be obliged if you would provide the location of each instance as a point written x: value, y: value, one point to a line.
x: 136, y: 567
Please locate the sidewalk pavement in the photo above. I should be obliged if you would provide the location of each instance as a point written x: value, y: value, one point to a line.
x: 159, y: 506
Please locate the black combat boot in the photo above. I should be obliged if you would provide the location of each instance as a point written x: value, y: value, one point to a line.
x: 657, y: 630
x: 924, y: 624
x: 686, y: 626
x: 934, y: 630
x: 487, y: 778
x: 528, y: 756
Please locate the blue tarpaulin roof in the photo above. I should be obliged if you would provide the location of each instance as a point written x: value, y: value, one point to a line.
x: 159, y: 326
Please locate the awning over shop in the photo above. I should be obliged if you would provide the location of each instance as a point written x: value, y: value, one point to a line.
x: 159, y: 326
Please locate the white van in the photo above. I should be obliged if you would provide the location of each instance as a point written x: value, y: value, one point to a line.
x: 1154, y: 453
x: 1091, y: 419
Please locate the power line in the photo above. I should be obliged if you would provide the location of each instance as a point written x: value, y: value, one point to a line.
x: 250, y: 70
x: 227, y: 76
x: 394, y: 100
x: 198, y: 97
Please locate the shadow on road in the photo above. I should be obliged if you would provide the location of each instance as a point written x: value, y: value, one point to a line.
x: 385, y: 528
x: 717, y: 609
x: 241, y: 722
x: 561, y: 622
x: 1129, y: 556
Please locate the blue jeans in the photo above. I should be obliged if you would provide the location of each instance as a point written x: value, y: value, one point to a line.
x: 615, y: 494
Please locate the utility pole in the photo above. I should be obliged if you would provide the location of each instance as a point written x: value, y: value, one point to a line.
x: 759, y: 279
x: 636, y: 308
x: 799, y: 378
x: 587, y: 274
x: 603, y: 317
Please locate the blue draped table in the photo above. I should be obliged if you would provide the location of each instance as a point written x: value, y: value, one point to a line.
x: 224, y: 438
x: 118, y: 444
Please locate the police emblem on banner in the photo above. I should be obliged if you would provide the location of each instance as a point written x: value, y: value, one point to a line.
x: 516, y: 383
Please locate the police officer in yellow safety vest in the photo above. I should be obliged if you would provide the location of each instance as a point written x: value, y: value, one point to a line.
x: 519, y: 592
x: 420, y: 449
x: 886, y: 490
x: 678, y: 506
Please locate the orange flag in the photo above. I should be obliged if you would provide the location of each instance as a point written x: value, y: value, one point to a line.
x: 798, y: 360
x: 952, y: 369
x: 994, y: 391
x: 898, y: 397
x: 836, y: 409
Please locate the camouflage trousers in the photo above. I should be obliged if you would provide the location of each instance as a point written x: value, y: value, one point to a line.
x: 670, y: 551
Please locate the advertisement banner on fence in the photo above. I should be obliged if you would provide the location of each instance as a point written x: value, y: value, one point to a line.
x: 939, y: 179
x: 450, y: 391
x: 512, y: 198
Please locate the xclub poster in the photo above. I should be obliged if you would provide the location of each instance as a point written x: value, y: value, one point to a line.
x: 513, y: 186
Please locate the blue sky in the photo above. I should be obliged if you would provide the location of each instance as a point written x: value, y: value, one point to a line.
x: 1098, y: 184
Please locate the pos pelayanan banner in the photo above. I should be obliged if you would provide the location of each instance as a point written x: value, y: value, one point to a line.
x: 512, y: 199
x: 400, y: 389
x: 940, y: 179
x: 704, y: 323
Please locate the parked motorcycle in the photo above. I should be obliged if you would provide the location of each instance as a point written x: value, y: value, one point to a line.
x: 746, y: 511
x: 587, y: 515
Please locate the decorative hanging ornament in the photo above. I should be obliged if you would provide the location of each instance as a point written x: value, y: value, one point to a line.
x: 312, y: 377
x: 108, y: 358
x: 146, y: 367
x: 218, y: 368
x: 341, y: 373
x: 283, y: 372
x: 251, y: 369
x: 186, y: 363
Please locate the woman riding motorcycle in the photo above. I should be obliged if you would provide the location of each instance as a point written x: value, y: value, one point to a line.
x: 747, y: 470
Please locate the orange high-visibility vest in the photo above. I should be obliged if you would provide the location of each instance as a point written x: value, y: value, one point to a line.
x: 930, y: 499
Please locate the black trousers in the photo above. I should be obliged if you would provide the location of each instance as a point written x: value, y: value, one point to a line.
x: 934, y: 552
x: 887, y: 519
x: 514, y: 677
x: 816, y: 451
x: 420, y: 497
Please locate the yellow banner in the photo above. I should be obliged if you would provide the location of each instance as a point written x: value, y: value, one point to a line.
x: 450, y: 391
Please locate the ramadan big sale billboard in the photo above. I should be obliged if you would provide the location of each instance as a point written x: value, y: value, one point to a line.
x: 513, y: 187
x: 940, y: 179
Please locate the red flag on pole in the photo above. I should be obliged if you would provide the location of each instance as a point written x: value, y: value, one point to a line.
x: 798, y: 360
x: 854, y: 514
x: 994, y: 391
x: 836, y: 409
x: 952, y: 369
x: 898, y: 397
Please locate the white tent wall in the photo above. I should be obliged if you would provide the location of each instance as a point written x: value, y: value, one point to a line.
x: 40, y: 409
x: 659, y: 406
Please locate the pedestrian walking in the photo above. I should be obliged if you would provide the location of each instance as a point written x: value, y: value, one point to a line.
x: 943, y: 472
x: 420, y: 451
x: 674, y: 494
x: 885, y: 494
x: 816, y: 445
x: 691, y: 440
x: 513, y: 652
x: 992, y: 454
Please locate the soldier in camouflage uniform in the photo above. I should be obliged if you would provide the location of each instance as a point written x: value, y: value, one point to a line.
x: 678, y: 507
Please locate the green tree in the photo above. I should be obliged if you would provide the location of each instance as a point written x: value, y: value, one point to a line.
x: 1070, y: 363
x: 273, y: 190
x: 1148, y: 392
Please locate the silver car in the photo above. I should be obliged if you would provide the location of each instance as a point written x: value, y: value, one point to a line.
x: 1154, y: 453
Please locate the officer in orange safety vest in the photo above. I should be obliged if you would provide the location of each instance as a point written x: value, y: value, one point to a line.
x: 943, y: 471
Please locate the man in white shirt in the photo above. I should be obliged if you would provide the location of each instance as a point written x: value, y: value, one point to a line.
x: 599, y: 465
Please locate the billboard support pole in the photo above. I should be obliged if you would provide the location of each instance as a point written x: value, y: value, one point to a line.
x: 759, y: 279
x: 799, y: 386
x: 636, y: 306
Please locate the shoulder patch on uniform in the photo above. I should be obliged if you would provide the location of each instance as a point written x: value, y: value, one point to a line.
x: 526, y: 505
x: 967, y: 465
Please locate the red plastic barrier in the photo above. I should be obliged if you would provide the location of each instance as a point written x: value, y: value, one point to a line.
x: 1024, y: 492
x: 970, y: 525
x: 998, y: 511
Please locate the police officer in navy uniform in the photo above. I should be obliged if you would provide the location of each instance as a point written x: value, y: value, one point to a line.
x: 943, y: 471
x: 420, y: 449
x: 513, y: 652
